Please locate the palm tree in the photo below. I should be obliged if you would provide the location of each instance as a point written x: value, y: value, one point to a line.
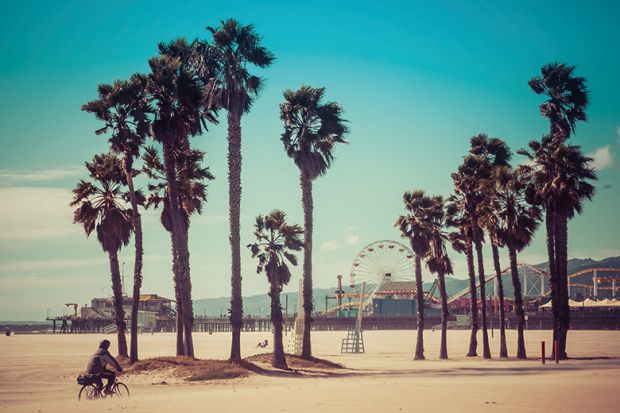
x: 191, y: 177
x: 488, y: 211
x: 414, y: 227
x: 515, y: 223
x: 567, y: 98
x: 275, y: 240
x: 484, y: 155
x: 461, y: 240
x: 566, y: 104
x: 560, y: 175
x: 439, y: 263
x: 100, y: 207
x: 235, y: 46
x: 181, y: 105
x: 122, y: 108
x: 311, y: 131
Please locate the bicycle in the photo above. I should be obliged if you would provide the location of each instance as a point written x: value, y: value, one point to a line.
x: 90, y: 391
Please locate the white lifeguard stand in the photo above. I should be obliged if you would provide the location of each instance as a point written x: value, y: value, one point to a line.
x: 354, y: 341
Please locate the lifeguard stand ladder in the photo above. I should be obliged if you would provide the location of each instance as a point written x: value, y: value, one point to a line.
x: 295, y: 340
x: 354, y: 342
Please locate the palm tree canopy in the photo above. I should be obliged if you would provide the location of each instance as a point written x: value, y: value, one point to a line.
x: 493, y: 151
x: 191, y: 176
x: 559, y: 176
x: 102, y: 203
x: 234, y: 47
x: 180, y: 96
x: 311, y: 129
x: 514, y: 220
x: 123, y: 108
x: 484, y: 155
x: 414, y: 225
x: 457, y: 218
x: 567, y: 95
x: 275, y: 239
x: 438, y: 261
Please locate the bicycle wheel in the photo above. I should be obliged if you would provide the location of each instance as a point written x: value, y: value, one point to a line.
x: 88, y: 392
x: 120, y: 390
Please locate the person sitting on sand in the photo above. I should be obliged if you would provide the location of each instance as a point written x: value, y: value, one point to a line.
x: 97, y: 366
x: 263, y: 344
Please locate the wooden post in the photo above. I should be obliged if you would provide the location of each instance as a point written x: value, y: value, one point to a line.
x: 542, y: 352
x: 285, y: 314
x: 595, y: 282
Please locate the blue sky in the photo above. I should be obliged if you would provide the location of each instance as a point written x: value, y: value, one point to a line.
x: 416, y: 79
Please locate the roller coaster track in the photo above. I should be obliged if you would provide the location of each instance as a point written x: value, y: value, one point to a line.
x: 465, y: 291
x: 545, y: 274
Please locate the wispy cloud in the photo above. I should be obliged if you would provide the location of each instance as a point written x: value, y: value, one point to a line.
x: 330, y: 245
x: 618, y: 134
x: 35, y: 213
x: 352, y: 239
x: 603, y: 157
x: 37, y: 265
x: 28, y: 176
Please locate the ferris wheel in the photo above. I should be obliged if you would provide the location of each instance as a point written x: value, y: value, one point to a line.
x: 382, y: 261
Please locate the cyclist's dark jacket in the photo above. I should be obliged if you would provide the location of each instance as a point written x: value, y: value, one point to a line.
x: 99, y: 360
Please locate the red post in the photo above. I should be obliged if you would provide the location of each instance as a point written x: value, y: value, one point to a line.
x: 542, y: 351
x: 556, y: 352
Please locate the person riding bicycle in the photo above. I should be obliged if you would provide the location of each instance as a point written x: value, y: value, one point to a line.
x: 97, y: 366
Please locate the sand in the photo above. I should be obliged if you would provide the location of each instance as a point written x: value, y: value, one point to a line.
x: 37, y: 374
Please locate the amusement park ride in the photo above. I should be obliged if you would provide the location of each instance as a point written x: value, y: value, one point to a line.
x: 384, y: 271
x: 386, y: 267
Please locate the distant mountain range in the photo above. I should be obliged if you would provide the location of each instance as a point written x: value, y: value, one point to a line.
x: 259, y: 304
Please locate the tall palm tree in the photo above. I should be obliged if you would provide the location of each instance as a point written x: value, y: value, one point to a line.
x: 461, y: 240
x: 101, y: 207
x: 235, y: 47
x: 515, y: 223
x: 181, y: 105
x: 122, y: 107
x: 488, y: 212
x: 311, y: 131
x: 439, y: 263
x: 414, y: 226
x: 567, y: 98
x: 275, y: 240
x: 484, y: 154
x: 191, y: 177
x: 560, y: 175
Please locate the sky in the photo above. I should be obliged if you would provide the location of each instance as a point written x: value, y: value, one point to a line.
x: 416, y: 80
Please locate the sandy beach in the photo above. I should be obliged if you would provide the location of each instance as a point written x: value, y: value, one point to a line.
x: 37, y: 374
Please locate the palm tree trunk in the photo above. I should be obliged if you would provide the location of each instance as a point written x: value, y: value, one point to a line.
x: 473, y: 341
x: 503, y: 349
x: 176, y: 224
x: 520, y: 313
x: 119, y: 312
x: 180, y: 347
x: 186, y: 295
x: 234, y: 204
x: 486, y: 350
x: 553, y: 279
x: 137, y: 269
x: 561, y: 253
x: 306, y: 199
x: 279, y: 359
x: 419, y: 347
